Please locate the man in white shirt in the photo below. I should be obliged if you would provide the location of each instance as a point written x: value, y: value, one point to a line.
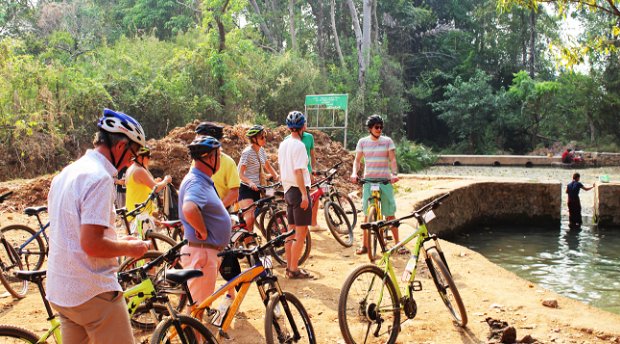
x: 295, y: 178
x: 81, y: 278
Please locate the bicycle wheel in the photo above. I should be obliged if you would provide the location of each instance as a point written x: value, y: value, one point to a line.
x: 338, y: 223
x: 143, y: 319
x: 446, y: 287
x: 10, y: 262
x: 33, y: 254
x: 286, y: 321
x: 279, y: 225
x: 368, y: 308
x: 262, y: 219
x: 346, y: 203
x: 177, y: 296
x: 159, y: 242
x: 14, y: 334
x: 373, y: 237
x: 193, y: 331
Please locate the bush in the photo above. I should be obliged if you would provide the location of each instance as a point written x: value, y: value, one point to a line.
x: 412, y: 157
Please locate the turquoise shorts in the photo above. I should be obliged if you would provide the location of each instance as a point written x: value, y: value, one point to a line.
x: 388, y: 203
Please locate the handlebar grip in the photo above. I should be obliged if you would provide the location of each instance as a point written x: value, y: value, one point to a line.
x: 365, y: 225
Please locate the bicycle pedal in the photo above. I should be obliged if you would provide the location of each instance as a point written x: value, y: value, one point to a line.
x: 222, y: 334
x: 416, y: 286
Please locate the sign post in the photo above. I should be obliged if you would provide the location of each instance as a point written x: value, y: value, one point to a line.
x: 334, y: 103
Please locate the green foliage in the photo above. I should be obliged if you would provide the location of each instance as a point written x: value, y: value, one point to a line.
x: 412, y: 157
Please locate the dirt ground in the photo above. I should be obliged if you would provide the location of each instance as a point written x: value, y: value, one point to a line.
x: 487, y: 291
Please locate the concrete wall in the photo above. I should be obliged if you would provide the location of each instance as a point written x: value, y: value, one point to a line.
x: 473, y: 203
x: 591, y: 159
x: 607, y: 204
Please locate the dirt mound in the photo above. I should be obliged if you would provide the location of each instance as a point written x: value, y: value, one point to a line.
x: 170, y: 156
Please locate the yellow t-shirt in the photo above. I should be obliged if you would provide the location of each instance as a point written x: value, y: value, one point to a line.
x: 136, y: 193
x: 227, y: 177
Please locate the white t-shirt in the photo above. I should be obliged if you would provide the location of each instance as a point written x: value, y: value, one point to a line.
x: 83, y: 193
x: 292, y: 156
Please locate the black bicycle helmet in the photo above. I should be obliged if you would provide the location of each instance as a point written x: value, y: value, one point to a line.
x: 295, y: 120
x: 373, y: 120
x: 210, y: 129
x: 203, y: 145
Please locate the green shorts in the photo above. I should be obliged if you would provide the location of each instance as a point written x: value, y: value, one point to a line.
x: 388, y: 203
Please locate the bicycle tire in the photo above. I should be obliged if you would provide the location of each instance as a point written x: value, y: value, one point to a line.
x: 10, y: 262
x: 281, y: 318
x: 279, y: 225
x: 261, y: 219
x: 16, y: 334
x: 447, y: 290
x: 159, y: 242
x: 166, y: 331
x: 177, y: 297
x: 338, y: 223
x: 142, y: 318
x: 346, y: 203
x: 33, y: 254
x: 373, y: 237
x: 358, y: 318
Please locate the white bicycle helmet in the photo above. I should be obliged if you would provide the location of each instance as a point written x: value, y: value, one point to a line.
x: 120, y: 123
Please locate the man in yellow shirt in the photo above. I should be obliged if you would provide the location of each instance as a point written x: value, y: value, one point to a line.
x: 226, y: 179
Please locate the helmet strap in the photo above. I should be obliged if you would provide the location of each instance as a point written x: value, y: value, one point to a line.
x: 212, y: 167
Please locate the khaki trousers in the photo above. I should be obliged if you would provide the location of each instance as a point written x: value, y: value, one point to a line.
x: 101, y: 320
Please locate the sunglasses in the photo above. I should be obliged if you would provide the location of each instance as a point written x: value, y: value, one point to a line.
x: 378, y: 127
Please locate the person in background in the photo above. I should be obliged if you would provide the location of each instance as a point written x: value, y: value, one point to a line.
x: 379, y: 163
x: 308, y: 140
x: 253, y: 165
x: 119, y: 182
x: 206, y: 221
x: 139, y: 182
x: 568, y: 156
x: 226, y: 179
x: 82, y: 285
x: 293, y: 161
x: 574, y: 203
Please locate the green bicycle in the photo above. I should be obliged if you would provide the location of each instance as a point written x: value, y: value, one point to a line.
x: 144, y: 293
x: 371, y: 301
x: 374, y: 214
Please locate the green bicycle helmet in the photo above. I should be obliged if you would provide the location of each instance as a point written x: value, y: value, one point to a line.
x: 254, y: 130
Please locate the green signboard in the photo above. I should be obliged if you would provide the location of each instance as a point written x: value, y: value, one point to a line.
x: 329, y: 101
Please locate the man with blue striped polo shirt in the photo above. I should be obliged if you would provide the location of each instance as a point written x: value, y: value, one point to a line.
x: 379, y: 163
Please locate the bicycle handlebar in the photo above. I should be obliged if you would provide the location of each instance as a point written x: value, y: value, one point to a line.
x: 169, y: 256
x: 362, y: 181
x: 242, y: 252
x: 5, y: 196
x: 272, y: 186
x: 138, y: 206
x: 418, y: 214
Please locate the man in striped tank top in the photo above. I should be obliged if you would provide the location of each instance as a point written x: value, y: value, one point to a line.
x: 379, y: 163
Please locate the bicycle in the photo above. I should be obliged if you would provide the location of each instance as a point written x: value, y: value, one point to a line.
x: 143, y: 226
x: 336, y: 218
x: 281, y: 324
x: 9, y: 262
x: 371, y: 301
x: 374, y: 214
x: 277, y: 226
x: 31, y: 245
x: 343, y: 200
x: 136, y: 295
x: 267, y: 210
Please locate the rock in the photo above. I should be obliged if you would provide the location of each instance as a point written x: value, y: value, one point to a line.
x: 528, y: 339
x: 509, y: 335
x: 551, y: 303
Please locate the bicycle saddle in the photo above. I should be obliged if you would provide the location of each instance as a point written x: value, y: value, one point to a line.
x: 30, y: 211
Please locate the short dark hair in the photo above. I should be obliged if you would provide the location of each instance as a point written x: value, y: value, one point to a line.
x: 101, y: 138
x: 576, y: 176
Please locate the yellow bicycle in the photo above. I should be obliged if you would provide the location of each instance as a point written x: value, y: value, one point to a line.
x: 374, y: 214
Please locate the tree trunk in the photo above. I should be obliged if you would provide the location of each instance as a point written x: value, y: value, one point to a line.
x: 524, y: 40
x: 335, y: 32
x: 367, y: 23
x: 317, y: 10
x: 361, y: 75
x: 375, y: 22
x: 291, y: 23
x: 532, y: 61
x: 263, y: 25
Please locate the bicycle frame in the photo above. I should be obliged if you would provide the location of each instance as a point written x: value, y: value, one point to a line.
x: 243, y: 280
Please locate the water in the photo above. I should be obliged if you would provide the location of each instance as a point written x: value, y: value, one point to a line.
x: 580, y: 264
